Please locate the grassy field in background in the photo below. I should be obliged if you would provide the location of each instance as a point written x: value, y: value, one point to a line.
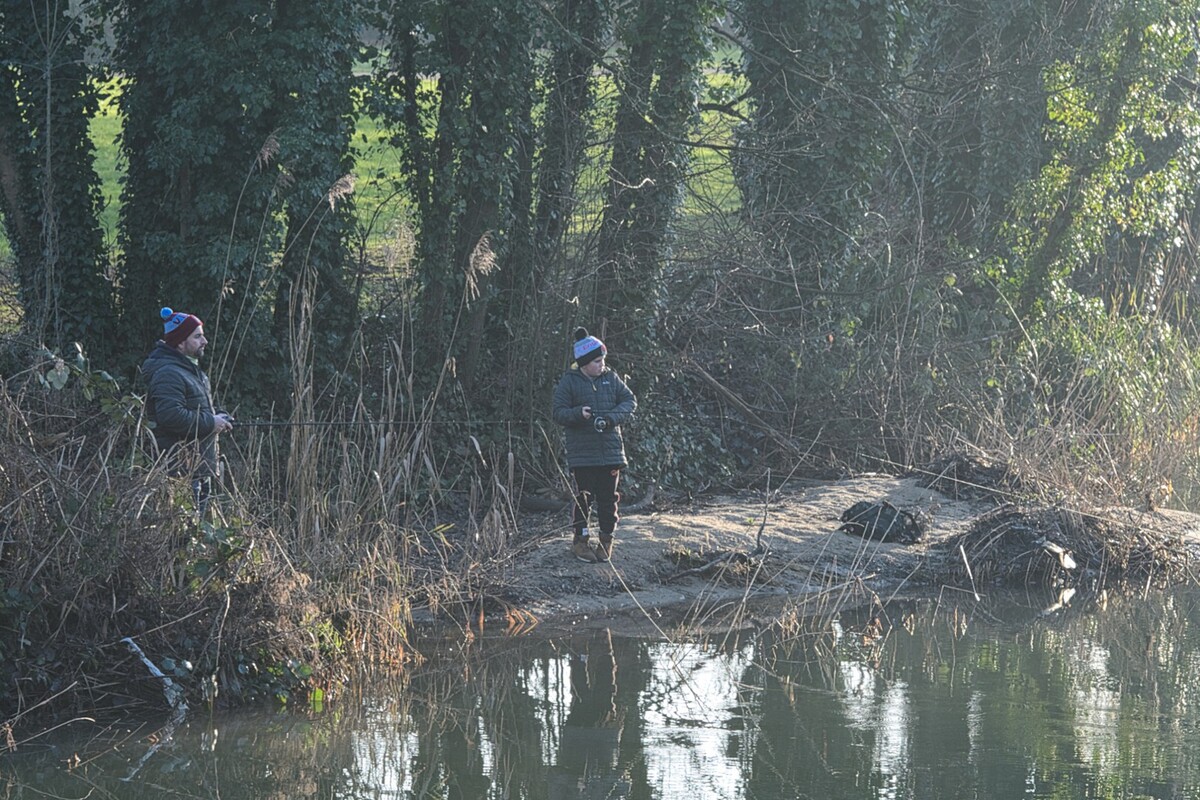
x: 105, y: 129
x: 382, y: 208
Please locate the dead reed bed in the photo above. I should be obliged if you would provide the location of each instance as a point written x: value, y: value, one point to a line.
x: 321, y: 542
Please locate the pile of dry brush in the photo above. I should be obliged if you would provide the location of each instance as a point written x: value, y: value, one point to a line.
x: 1026, y: 543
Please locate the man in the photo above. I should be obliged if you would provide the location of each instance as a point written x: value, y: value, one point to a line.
x: 186, y: 425
x: 591, y: 403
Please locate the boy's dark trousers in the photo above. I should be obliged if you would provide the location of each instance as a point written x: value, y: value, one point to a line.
x: 598, y: 484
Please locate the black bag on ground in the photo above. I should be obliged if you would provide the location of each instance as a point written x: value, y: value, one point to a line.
x: 881, y: 521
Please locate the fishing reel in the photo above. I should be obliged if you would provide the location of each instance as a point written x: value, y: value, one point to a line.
x: 600, y: 424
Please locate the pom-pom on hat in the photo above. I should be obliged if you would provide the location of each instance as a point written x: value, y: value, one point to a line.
x: 178, y: 325
x: 587, y: 348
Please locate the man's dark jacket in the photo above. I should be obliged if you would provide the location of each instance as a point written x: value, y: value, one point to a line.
x: 180, y: 404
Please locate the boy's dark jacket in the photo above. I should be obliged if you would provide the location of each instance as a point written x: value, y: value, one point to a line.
x: 609, y: 398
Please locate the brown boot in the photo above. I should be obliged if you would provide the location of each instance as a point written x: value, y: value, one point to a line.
x: 604, y: 550
x: 582, y: 550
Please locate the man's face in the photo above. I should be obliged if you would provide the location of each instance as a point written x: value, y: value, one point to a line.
x: 193, y: 345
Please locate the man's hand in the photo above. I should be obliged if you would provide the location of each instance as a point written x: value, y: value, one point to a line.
x: 223, y: 422
x: 587, y: 412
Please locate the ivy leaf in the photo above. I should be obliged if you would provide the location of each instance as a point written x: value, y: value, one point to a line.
x: 58, y: 375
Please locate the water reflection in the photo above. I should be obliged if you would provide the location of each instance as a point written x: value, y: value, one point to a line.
x: 588, y: 762
x: 925, y: 700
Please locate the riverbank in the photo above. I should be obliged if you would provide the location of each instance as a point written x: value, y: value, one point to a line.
x: 242, y: 610
x: 710, y: 562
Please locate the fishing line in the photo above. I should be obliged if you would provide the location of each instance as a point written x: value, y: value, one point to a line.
x: 360, y: 423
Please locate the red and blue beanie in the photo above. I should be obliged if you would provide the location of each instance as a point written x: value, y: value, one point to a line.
x: 177, y: 326
x: 587, y: 348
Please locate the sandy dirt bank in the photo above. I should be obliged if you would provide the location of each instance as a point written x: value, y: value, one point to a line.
x: 722, y: 556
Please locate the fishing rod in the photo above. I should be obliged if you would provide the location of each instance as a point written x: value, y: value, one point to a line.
x: 600, y: 421
x: 257, y: 423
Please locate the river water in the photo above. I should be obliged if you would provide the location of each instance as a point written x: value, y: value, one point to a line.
x: 1015, y: 697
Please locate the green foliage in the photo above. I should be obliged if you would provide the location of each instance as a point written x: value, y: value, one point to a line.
x: 964, y: 222
x: 72, y: 374
x: 1135, y: 373
x: 314, y: 45
x: 821, y: 77
x: 50, y: 196
x: 237, y: 199
x: 693, y: 453
x: 196, y: 203
x: 461, y: 136
x: 982, y: 136
x: 211, y: 548
x: 915, y: 178
x: 658, y: 82
x: 1125, y: 162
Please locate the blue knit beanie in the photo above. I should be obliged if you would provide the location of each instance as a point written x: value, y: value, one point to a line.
x: 587, y: 348
x: 177, y: 326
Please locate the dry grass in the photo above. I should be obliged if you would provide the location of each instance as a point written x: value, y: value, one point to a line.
x: 962, y: 477
x: 321, y: 542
